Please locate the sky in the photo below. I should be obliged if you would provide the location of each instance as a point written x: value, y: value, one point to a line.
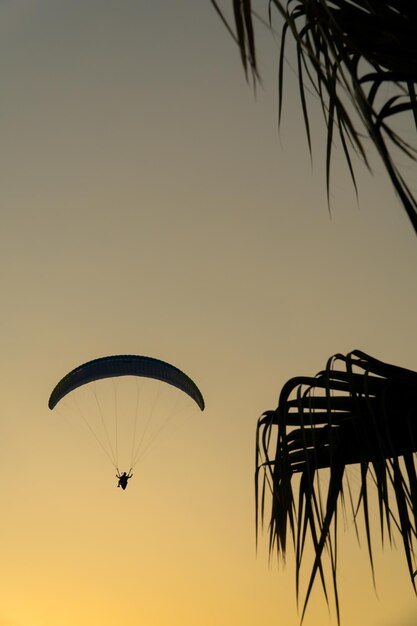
x: 149, y: 205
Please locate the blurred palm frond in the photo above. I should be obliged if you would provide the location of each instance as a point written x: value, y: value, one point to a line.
x: 358, y: 410
x: 349, y: 50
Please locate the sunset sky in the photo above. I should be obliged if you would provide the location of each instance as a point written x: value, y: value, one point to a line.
x: 149, y: 205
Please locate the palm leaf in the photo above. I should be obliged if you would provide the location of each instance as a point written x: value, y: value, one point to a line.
x: 347, y: 49
x: 358, y: 410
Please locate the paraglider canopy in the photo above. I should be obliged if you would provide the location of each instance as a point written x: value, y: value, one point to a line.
x: 125, y: 365
x: 126, y: 417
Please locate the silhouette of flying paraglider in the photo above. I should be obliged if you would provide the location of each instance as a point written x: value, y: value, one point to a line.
x: 111, y: 367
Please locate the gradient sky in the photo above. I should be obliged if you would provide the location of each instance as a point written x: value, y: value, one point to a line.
x: 149, y: 205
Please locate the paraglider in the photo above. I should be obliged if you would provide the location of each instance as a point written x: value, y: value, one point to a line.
x: 128, y: 366
x: 123, y: 478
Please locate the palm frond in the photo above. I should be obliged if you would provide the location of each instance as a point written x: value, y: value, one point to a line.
x: 358, y: 410
x: 348, y: 49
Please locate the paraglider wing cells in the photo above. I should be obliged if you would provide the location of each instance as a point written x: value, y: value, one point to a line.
x: 125, y: 365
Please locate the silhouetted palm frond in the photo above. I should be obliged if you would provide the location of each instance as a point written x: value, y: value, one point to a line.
x: 357, y: 410
x: 349, y: 50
